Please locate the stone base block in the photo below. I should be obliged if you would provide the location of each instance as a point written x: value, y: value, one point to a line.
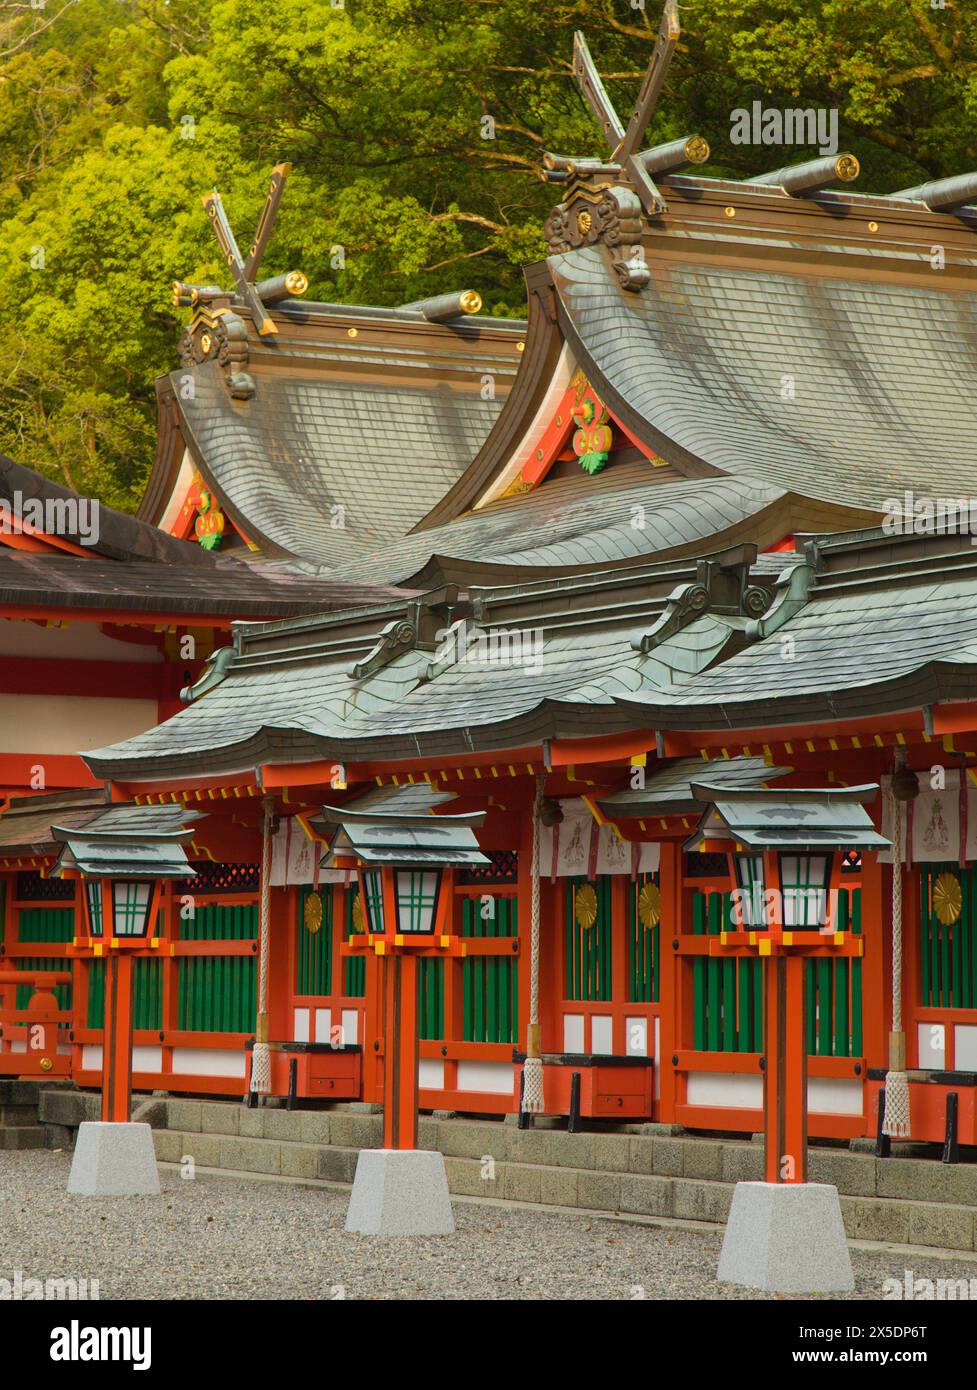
x: 400, y: 1192
x: 113, y: 1160
x: 786, y: 1238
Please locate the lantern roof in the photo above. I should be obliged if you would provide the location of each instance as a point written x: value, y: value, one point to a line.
x: 379, y: 837
x: 803, y: 819
x: 128, y: 842
x: 668, y: 789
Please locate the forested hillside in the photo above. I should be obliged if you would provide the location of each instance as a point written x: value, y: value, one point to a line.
x: 416, y: 129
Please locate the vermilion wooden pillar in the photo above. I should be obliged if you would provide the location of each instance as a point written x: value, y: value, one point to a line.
x: 672, y: 1005
x: 402, y: 1052
x: 784, y: 1045
x: 401, y: 1044
x: 117, y: 1039
x: 785, y: 1071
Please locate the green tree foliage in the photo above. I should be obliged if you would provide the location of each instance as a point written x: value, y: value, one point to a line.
x: 417, y: 133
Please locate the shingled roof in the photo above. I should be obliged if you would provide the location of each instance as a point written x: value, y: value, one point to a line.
x: 355, y: 423
x: 116, y: 562
x: 625, y: 514
x: 804, y: 347
x: 821, y: 381
x: 521, y: 663
x: 865, y: 624
x: 870, y: 624
x: 224, y: 586
x: 116, y: 536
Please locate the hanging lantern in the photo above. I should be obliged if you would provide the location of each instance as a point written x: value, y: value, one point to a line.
x: 804, y: 880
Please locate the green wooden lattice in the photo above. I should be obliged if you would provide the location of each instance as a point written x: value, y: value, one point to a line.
x: 588, y: 949
x: 490, y: 984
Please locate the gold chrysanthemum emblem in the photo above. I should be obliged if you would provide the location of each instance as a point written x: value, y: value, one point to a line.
x: 585, y: 906
x: 649, y: 906
x: 359, y: 921
x: 947, y: 898
x: 312, y: 913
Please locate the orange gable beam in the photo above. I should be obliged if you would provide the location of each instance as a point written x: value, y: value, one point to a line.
x: 553, y: 441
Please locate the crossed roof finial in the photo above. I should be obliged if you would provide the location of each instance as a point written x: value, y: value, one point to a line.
x: 255, y: 294
x: 625, y: 143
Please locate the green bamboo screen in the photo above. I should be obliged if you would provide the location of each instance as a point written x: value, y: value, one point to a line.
x: 728, y: 993
x: 644, y: 970
x: 45, y: 926
x: 948, y: 951
x: 217, y: 994
x: 490, y: 984
x: 588, y: 949
x: 313, y: 950
x: 834, y: 992
x: 354, y: 967
x: 430, y: 973
x: 147, y: 993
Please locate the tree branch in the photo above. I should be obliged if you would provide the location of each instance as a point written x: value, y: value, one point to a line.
x: 38, y: 29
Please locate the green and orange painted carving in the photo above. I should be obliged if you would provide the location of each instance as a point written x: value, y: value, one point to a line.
x: 209, y: 526
x: 593, y: 436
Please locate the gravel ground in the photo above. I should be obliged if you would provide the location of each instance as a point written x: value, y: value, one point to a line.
x: 213, y: 1239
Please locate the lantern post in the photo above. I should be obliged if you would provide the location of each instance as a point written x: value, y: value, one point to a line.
x: 404, y: 864
x: 122, y: 856
x: 785, y: 1234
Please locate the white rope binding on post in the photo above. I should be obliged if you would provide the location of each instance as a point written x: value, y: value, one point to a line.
x: 261, y: 1055
x: 895, y: 1121
x: 532, y: 1072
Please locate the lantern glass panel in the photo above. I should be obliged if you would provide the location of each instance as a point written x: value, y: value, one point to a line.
x: 373, y: 900
x: 417, y: 899
x: 131, y: 901
x: 804, y: 884
x: 749, y: 873
x: 93, y: 895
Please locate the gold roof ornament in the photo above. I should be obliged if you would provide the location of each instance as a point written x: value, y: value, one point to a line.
x: 585, y: 906
x: 947, y: 898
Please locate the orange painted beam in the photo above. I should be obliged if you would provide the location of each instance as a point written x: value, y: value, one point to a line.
x: 957, y: 718
x: 238, y: 786
x: 686, y: 742
x: 603, y: 748
x: 552, y: 441
x: 125, y: 616
x: 60, y: 770
x: 23, y: 536
x: 130, y: 680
